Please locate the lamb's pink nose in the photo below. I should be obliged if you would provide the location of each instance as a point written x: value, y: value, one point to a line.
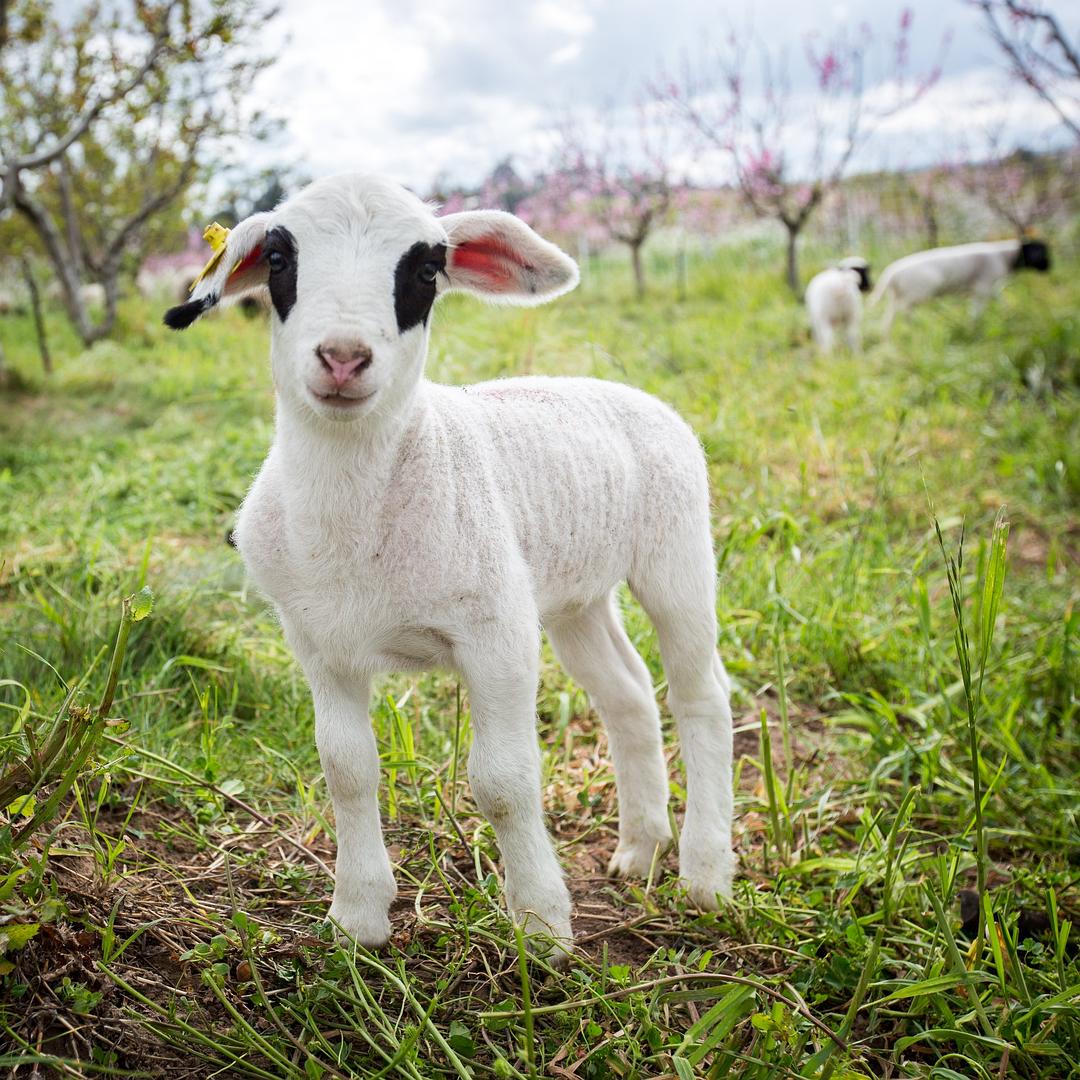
x: 343, y: 359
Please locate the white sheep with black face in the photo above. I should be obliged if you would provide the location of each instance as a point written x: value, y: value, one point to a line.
x: 834, y: 303
x: 398, y: 524
x: 978, y: 270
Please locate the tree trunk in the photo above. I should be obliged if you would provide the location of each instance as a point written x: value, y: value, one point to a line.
x: 792, y: 257
x: 931, y: 221
x: 39, y: 322
x: 639, y: 272
x: 60, y: 258
x: 66, y: 252
x: 67, y: 203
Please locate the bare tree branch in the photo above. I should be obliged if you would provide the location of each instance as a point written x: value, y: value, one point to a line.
x: 1035, y: 67
x: 9, y: 170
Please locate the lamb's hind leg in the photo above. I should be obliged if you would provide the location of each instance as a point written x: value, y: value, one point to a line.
x: 823, y: 335
x: 678, y: 592
x: 890, y: 314
x: 593, y: 648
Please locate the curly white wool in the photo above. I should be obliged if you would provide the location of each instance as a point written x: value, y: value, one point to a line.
x: 399, y: 524
x: 834, y: 303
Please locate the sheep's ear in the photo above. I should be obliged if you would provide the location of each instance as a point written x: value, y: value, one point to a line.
x: 497, y: 256
x: 240, y: 270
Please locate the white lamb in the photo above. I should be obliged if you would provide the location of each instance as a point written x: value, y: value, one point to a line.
x: 978, y: 269
x: 834, y: 303
x: 398, y: 524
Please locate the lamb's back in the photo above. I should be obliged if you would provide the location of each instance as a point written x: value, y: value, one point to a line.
x: 587, y: 473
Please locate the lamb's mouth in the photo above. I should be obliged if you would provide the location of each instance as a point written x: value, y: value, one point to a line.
x: 341, y: 401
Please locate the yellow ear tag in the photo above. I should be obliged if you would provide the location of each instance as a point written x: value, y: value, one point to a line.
x: 215, y: 235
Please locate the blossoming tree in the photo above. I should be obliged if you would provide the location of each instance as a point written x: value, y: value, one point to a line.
x: 790, y: 142
x: 612, y: 184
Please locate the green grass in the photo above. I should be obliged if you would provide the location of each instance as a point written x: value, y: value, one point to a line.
x: 167, y: 920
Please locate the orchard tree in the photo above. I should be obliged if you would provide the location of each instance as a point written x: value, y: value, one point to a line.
x: 1039, y: 52
x: 790, y: 143
x: 1022, y: 187
x: 504, y: 188
x: 560, y: 206
x: 108, y: 115
x: 610, y: 183
x: 22, y: 27
x: 931, y: 187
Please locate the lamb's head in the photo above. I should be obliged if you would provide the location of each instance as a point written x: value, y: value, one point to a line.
x: 352, y: 266
x: 861, y: 267
x: 1033, y: 255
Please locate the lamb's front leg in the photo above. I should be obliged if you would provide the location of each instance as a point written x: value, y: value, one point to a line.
x: 504, y: 773
x: 350, y: 760
x: 983, y: 293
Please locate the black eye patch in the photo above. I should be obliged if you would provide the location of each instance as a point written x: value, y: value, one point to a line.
x: 282, y: 243
x: 415, y: 285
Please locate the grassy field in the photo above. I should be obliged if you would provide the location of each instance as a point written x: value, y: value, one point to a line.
x: 164, y: 914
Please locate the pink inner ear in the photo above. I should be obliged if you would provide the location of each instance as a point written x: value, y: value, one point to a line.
x: 491, y: 259
x: 248, y: 260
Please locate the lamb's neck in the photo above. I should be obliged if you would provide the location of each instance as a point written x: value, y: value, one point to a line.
x: 334, y: 467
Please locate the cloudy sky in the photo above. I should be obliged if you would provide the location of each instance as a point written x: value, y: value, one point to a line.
x: 422, y: 89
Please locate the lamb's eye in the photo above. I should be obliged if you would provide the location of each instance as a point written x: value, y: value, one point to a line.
x: 277, y: 262
x: 429, y: 271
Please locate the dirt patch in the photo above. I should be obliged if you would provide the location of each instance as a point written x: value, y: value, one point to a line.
x: 171, y: 891
x: 1033, y: 547
x: 127, y: 948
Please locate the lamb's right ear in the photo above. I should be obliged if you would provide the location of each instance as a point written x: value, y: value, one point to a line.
x: 240, y: 270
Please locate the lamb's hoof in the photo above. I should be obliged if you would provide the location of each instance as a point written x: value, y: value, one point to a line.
x: 709, y: 886
x: 636, y: 858
x: 553, y: 949
x: 708, y: 895
x: 548, y: 937
x: 364, y: 924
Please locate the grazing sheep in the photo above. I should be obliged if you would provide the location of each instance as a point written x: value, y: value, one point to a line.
x: 978, y: 269
x: 398, y: 524
x: 834, y: 303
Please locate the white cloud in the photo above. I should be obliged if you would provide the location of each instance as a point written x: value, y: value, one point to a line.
x: 419, y: 89
x: 570, y: 51
x: 961, y: 114
x: 565, y: 16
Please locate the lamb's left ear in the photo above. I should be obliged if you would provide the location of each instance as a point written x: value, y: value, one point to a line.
x: 240, y: 270
x: 497, y: 256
